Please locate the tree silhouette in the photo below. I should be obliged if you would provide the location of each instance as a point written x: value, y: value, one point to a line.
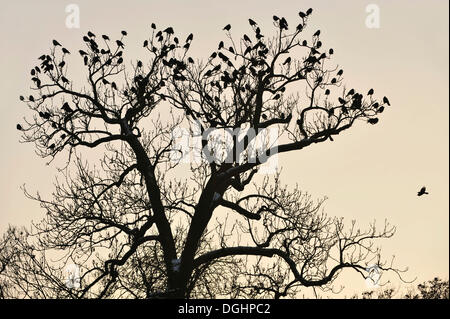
x: 138, y: 229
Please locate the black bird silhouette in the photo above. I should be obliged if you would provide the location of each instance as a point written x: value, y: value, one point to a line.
x: 317, y: 33
x: 145, y: 43
x: 331, y: 51
x: 105, y: 37
x: 56, y: 43
x: 327, y: 92
x: 169, y: 30
x: 351, y: 92
x: 66, y: 108
x: 264, y: 116
x: 153, y: 26
x: 119, y: 43
x: 139, y: 64
x: 340, y: 72
x: 422, y: 191
x: 90, y: 34
x: 386, y: 101
x: 82, y: 52
x: 302, y: 14
x: 221, y: 44
x: 190, y: 37
x: 288, y: 60
x: 309, y: 11
x: 65, y: 51
x: 19, y: 127
x: 190, y: 60
x: 373, y: 121
x: 124, y: 32
x: 275, y: 18
x: 252, y: 23
x: 227, y: 27
x: 283, y: 24
x: 341, y: 100
x: 246, y: 38
x: 370, y: 92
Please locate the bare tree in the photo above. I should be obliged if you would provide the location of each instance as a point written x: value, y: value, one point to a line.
x: 139, y: 230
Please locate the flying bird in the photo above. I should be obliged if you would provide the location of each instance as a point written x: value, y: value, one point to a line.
x: 422, y: 191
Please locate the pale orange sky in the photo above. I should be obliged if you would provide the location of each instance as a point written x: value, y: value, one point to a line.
x: 369, y: 172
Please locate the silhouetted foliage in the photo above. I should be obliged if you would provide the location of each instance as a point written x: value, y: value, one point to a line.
x: 138, y: 230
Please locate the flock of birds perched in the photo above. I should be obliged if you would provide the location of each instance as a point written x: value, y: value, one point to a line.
x: 282, y: 24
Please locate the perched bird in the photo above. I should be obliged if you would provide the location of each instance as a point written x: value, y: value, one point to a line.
x: 190, y: 60
x: 275, y: 18
x: 119, y: 43
x: 90, y: 34
x: 317, y: 33
x: 373, y: 121
x: 246, y: 38
x: 145, y: 43
x: 169, y: 30
x: 341, y: 100
x: 252, y: 23
x: 190, y: 37
x: 422, y: 191
x: 370, y: 92
x: 288, y: 60
x: 331, y: 51
x: 66, y: 108
x: 56, y: 43
x: 309, y: 11
x: 351, y: 92
x: 19, y: 127
x: 153, y: 26
x: 227, y: 27
x: 124, y: 32
x: 65, y: 51
x: 302, y: 14
x: 327, y: 92
x: 139, y: 64
x: 340, y: 72
x: 386, y: 101
x: 221, y: 44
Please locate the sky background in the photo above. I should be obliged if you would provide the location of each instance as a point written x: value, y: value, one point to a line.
x: 369, y: 172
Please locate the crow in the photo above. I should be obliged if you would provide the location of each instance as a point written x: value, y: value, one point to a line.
x: 340, y: 72
x: 56, y: 43
x: 373, y: 121
x: 90, y: 34
x: 288, y: 60
x: 275, y: 18
x: 317, y: 33
x: 252, y: 23
x: 246, y: 38
x: 82, y: 52
x: 327, y: 92
x: 331, y: 51
x: 66, y: 108
x: 221, y: 44
x: 386, y: 101
x: 190, y: 60
x: 370, y: 92
x: 309, y: 11
x: 422, y: 191
x: 119, y: 43
x: 227, y: 27
x: 169, y: 30
x: 153, y: 26
x: 190, y: 37
x: 302, y: 14
x: 124, y: 32
x: 65, y: 51
x: 342, y: 101
x: 19, y: 127
x: 351, y: 92
x: 145, y: 43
